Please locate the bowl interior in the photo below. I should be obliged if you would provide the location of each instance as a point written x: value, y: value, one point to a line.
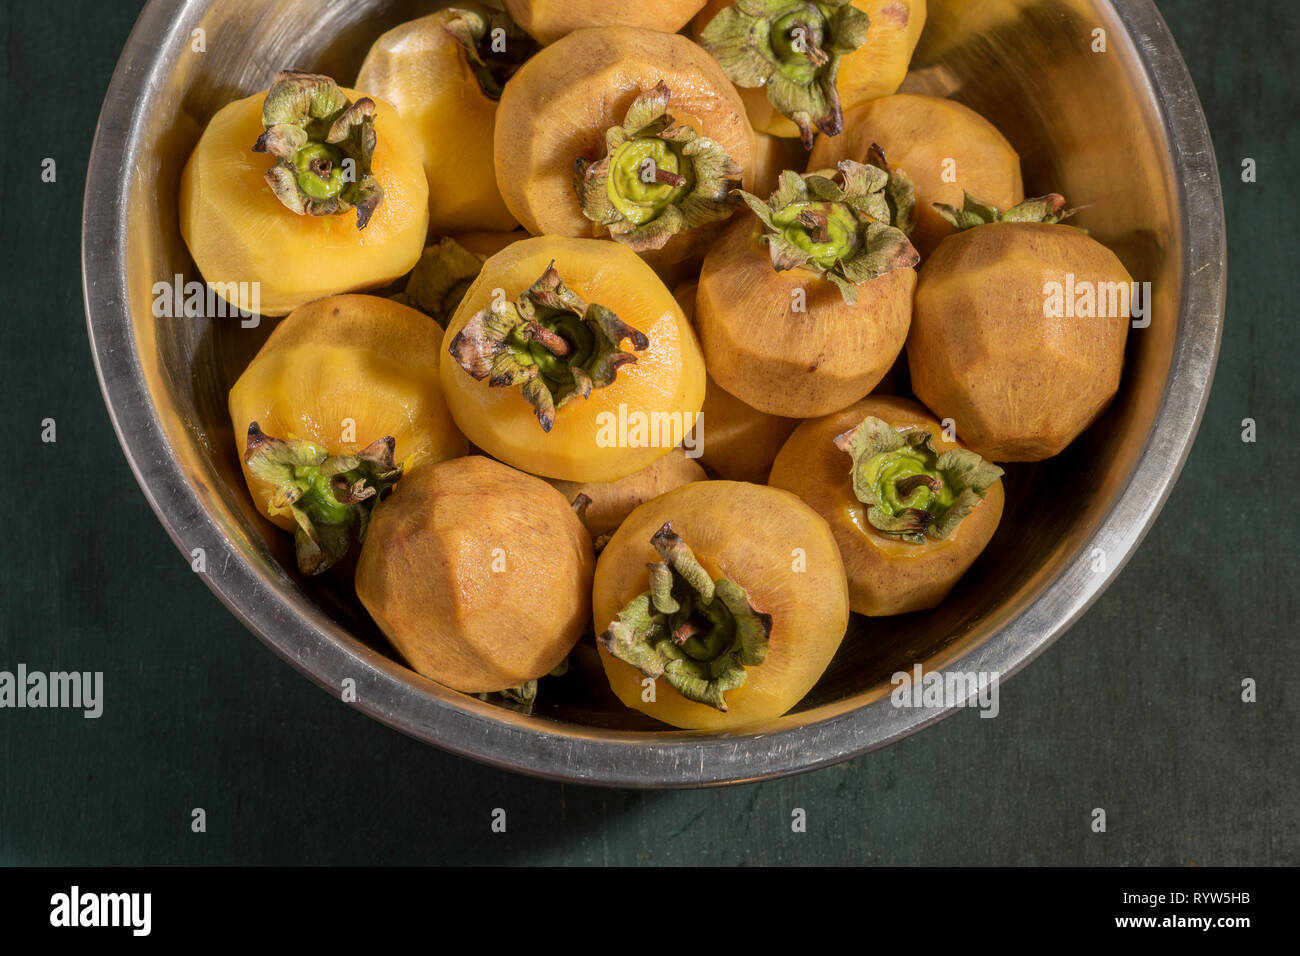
x: 1084, y: 122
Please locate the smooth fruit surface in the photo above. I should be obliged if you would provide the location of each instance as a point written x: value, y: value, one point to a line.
x: 548, y: 20
x: 886, y: 575
x: 944, y: 146
x: 424, y: 72
x: 592, y: 438
x: 1020, y: 385
x: 786, y: 343
x: 478, y: 574
x: 343, y: 372
x: 746, y: 533
x: 238, y: 231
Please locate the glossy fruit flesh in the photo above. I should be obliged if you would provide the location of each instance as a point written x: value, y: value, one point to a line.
x: 746, y: 533
x: 343, y: 372
x: 239, y: 232
x: 886, y: 575
x: 423, y: 71
x: 945, y: 147
x: 591, y: 437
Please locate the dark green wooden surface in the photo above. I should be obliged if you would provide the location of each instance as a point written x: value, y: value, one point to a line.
x: 1137, y: 709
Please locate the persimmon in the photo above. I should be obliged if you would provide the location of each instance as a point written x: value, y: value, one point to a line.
x: 793, y: 82
x: 444, y: 72
x: 478, y: 574
x: 1024, y: 379
x: 268, y: 194
x: 910, y: 510
x: 548, y: 20
x: 448, y: 267
x: 802, y: 311
x: 536, y: 373
x: 731, y: 597
x: 944, y: 147
x: 627, y: 133
x: 347, y: 380
x: 610, y: 502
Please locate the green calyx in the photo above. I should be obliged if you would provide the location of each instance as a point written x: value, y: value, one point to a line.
x: 440, y: 280
x: 1049, y: 209
x: 845, y: 231
x: 549, y: 343
x: 330, y: 496
x: 912, y: 491
x: 323, y: 145
x: 792, y: 48
x: 657, y: 178
x: 495, y: 47
x: 698, y: 633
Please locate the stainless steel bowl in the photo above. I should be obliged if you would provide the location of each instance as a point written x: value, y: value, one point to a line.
x: 1120, y: 130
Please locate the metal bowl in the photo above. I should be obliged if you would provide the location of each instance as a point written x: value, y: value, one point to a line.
x: 1120, y: 130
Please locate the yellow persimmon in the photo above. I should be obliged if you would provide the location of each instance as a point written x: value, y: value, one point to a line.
x: 343, y: 372
x: 548, y: 20
x: 238, y: 231
x: 766, y: 636
x: 510, y: 382
x: 448, y: 104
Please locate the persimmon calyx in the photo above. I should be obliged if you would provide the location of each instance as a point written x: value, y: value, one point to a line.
x: 657, y: 178
x: 696, y: 632
x: 440, y: 280
x: 323, y: 145
x: 330, y: 496
x: 792, y: 48
x: 845, y: 231
x: 495, y: 46
x: 912, y: 491
x: 550, y: 343
x: 1049, y: 209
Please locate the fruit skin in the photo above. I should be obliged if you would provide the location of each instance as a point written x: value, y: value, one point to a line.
x: 560, y: 103
x: 431, y: 574
x: 746, y: 533
x: 358, y: 357
x: 666, y: 378
x: 739, y: 442
x: 237, y: 231
x: 613, y: 501
x: 918, y: 135
x: 787, y: 363
x: 1019, y: 386
x: 875, y: 69
x: 773, y: 155
x: 548, y: 20
x: 886, y: 576
x: 423, y: 71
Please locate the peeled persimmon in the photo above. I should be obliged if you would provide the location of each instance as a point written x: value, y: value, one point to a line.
x: 344, y: 377
x: 444, y: 73
x: 729, y: 599
x: 285, y: 221
x: 910, y: 509
x: 946, y: 148
x: 548, y: 20
x: 569, y: 358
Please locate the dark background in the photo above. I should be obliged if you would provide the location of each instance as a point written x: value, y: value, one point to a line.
x: 1136, y: 709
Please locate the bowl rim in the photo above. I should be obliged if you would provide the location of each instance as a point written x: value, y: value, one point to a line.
x: 320, y: 649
